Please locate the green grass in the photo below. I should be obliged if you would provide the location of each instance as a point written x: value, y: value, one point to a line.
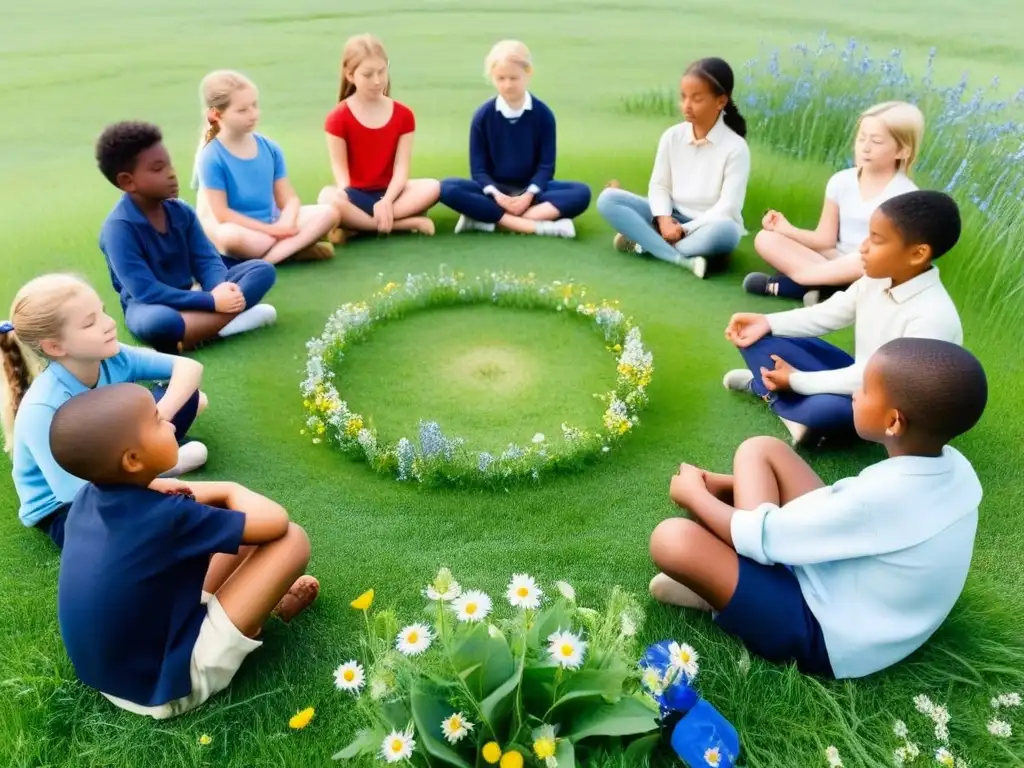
x: 70, y: 68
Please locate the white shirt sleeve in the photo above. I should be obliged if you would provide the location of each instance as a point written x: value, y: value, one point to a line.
x: 659, y: 191
x: 734, y: 190
x: 823, y: 526
x: 839, y: 311
x: 834, y: 187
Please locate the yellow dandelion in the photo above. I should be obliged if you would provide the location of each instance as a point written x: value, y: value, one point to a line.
x: 364, y: 601
x: 205, y: 740
x: 301, y: 719
x: 544, y: 747
x: 511, y: 759
x: 491, y: 752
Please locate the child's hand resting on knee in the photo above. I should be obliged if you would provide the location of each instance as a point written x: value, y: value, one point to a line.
x: 777, y: 380
x: 670, y: 229
x: 228, y: 298
x: 687, y: 484
x: 747, y: 327
x: 773, y: 221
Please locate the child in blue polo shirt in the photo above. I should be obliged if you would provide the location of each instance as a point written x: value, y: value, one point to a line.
x: 161, y: 595
x: 59, y: 322
x: 851, y: 578
x: 512, y: 145
x: 176, y: 290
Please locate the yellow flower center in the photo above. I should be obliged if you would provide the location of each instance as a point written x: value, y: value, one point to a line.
x: 349, y: 675
x: 522, y: 592
x: 455, y: 723
x: 544, y: 748
x: 470, y: 608
x: 413, y: 637
x: 684, y: 657
x: 567, y: 649
x: 396, y: 745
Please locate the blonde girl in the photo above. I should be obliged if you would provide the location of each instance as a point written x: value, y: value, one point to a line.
x: 369, y: 140
x: 812, y: 264
x: 246, y: 203
x: 512, y: 142
x: 59, y: 343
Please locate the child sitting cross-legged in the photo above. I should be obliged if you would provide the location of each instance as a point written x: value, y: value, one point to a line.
x: 851, y: 578
x: 162, y: 594
x: 807, y: 381
x: 158, y: 254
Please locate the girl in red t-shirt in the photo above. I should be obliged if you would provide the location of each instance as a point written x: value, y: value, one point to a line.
x: 369, y: 139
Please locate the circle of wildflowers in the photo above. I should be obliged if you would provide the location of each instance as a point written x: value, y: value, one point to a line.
x: 438, y: 458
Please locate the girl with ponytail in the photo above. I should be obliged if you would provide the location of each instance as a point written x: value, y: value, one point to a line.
x: 693, y: 212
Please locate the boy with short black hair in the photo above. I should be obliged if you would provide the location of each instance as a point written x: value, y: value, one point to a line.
x: 847, y: 579
x: 161, y: 596
x: 156, y: 252
x: 807, y: 381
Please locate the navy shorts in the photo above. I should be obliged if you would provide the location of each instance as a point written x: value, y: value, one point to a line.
x: 183, y: 419
x: 53, y: 524
x: 364, y: 199
x: 769, y: 614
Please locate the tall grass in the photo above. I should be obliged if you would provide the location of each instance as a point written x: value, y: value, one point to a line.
x: 804, y: 105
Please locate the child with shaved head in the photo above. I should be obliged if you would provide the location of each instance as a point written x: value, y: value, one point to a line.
x: 161, y: 596
x: 847, y: 579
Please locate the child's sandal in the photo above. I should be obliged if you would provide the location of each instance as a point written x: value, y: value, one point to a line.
x: 300, y: 596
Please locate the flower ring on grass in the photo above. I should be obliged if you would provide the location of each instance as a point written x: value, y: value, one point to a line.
x: 434, y: 457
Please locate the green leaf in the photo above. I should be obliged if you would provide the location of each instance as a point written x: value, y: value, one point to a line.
x: 639, y: 752
x: 627, y: 716
x: 429, y: 707
x: 538, y: 688
x: 484, y: 662
x: 396, y: 713
x: 366, y: 741
x: 548, y: 621
x: 591, y: 682
x: 496, y: 705
x: 565, y: 754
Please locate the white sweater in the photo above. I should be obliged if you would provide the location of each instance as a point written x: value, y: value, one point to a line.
x: 704, y: 180
x: 879, y: 313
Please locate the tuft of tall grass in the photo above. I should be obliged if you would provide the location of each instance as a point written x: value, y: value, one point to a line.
x: 805, y: 104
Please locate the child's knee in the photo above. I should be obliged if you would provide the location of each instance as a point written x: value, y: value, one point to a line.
x: 759, y: 447
x: 203, y: 402
x: 298, y: 541
x: 674, y: 541
x: 765, y: 241
x: 608, y: 198
x: 335, y: 196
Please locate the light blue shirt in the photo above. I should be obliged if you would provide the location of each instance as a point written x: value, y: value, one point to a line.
x: 248, y: 183
x: 881, y: 558
x: 41, y: 484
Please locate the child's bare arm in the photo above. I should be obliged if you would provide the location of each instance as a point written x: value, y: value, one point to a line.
x: 265, y: 520
x: 689, y: 489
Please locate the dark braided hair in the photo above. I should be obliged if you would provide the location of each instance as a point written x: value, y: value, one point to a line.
x: 718, y: 75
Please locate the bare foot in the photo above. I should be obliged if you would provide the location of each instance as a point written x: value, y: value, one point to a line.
x: 613, y: 184
x: 300, y: 596
x: 336, y: 236
x: 422, y: 225
x: 315, y: 252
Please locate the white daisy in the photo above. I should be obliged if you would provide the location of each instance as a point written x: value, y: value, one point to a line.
x: 455, y: 727
x: 913, y: 751
x: 565, y: 589
x: 684, y: 658
x: 523, y: 592
x: 473, y: 605
x: 940, y: 715
x: 397, y: 745
x: 567, y: 649
x: 443, y: 587
x: 942, y: 733
x: 414, y: 639
x: 1000, y: 728
x: 713, y: 757
x: 350, y: 676
x: 832, y: 755
x: 899, y: 757
x: 944, y: 757
x: 923, y: 704
x: 628, y: 628
x: 900, y: 729
x: 652, y: 681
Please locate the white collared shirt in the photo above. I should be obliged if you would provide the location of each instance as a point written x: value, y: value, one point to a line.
x: 881, y: 557
x: 704, y: 180
x: 920, y: 307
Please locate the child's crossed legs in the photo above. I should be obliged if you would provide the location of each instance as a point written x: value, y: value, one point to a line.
x: 314, y: 222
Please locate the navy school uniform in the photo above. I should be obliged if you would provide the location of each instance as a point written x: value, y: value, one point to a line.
x: 512, y: 152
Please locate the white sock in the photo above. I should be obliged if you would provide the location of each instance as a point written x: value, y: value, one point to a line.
x: 191, y: 456
x: 250, y: 319
x: 560, y: 228
x: 466, y: 224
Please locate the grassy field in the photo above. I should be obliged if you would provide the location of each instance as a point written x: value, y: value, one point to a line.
x: 69, y: 68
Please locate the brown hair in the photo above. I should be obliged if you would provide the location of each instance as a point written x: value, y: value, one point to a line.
x: 37, y: 315
x: 358, y: 49
x: 215, y: 93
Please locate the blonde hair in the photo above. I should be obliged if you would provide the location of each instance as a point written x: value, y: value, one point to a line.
x: 358, y: 49
x: 215, y: 92
x: 508, y: 51
x: 37, y: 314
x: 906, y: 125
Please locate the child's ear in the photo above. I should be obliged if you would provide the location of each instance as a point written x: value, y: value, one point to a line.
x: 52, y: 348
x: 895, y: 423
x: 131, y: 462
x: 212, y: 115
x: 921, y: 254
x: 126, y: 181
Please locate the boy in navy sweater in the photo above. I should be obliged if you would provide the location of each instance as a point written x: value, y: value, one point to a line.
x: 157, y: 253
x: 512, y: 146
x: 162, y: 595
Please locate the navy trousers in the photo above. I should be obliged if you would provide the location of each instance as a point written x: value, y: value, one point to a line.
x: 823, y: 413
x: 465, y: 196
x: 163, y: 327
